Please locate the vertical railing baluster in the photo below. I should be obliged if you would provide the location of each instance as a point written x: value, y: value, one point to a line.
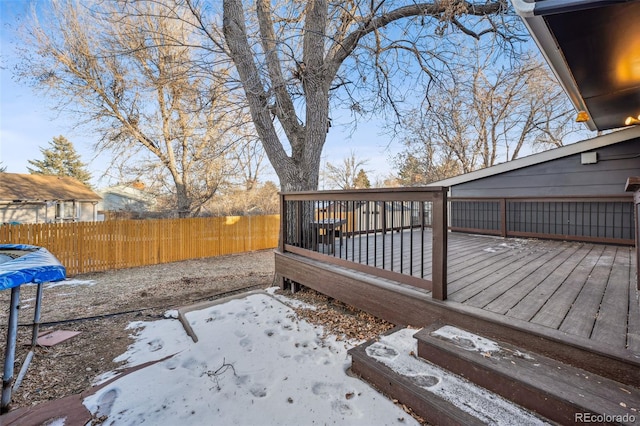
x: 353, y: 229
x: 401, y: 236
x: 384, y: 232
x: 337, y: 214
x: 368, y: 225
x: 393, y: 213
x: 422, y: 227
x: 375, y: 235
x: 411, y: 239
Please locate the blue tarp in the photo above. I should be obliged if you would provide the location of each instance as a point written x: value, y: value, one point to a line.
x: 38, y: 265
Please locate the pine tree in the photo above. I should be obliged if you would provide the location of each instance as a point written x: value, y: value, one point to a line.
x: 60, y: 159
x: 362, y: 180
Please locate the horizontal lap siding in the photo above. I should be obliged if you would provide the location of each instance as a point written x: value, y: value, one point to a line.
x: 97, y: 246
x: 562, y: 177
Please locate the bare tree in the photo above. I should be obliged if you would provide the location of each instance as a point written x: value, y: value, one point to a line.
x: 485, y: 114
x: 250, y: 157
x: 344, y: 175
x: 293, y: 58
x: 130, y: 70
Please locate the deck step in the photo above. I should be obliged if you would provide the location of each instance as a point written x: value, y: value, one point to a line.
x: 557, y: 391
x: 438, y: 396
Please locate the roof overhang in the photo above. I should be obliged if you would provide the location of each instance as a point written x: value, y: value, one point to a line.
x: 593, y: 47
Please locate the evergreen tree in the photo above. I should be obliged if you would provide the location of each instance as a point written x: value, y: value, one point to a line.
x: 60, y: 159
x: 362, y: 180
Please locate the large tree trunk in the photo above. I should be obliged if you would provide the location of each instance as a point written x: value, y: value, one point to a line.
x: 300, y: 170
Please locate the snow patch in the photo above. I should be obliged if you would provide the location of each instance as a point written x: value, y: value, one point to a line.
x: 173, y: 313
x: 466, y: 340
x: 56, y: 422
x: 396, y: 351
x: 72, y: 282
x: 255, y: 363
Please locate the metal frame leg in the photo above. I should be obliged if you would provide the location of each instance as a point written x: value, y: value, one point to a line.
x: 8, y: 385
x: 34, y: 339
x: 10, y: 350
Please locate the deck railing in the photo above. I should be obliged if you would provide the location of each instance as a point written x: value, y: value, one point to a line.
x: 593, y: 219
x: 376, y: 231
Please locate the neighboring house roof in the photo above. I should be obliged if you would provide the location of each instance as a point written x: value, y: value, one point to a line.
x: 130, y: 193
x: 593, y: 47
x: 542, y: 157
x: 28, y: 187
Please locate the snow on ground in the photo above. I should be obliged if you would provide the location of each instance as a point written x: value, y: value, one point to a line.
x: 72, y: 282
x: 255, y: 363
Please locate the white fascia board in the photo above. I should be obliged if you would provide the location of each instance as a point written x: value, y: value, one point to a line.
x: 542, y: 157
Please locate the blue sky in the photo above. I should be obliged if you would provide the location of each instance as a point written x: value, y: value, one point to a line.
x: 28, y: 121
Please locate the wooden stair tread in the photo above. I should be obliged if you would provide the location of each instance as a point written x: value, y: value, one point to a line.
x: 440, y: 397
x: 553, y: 389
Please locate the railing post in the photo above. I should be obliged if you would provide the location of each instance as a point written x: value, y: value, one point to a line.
x: 503, y: 217
x: 439, y: 252
x: 279, y: 279
x: 633, y: 185
x: 283, y: 223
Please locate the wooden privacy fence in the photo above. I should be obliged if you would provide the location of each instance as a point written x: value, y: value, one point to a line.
x: 98, y: 246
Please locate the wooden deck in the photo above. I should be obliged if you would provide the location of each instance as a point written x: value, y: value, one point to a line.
x: 581, y: 289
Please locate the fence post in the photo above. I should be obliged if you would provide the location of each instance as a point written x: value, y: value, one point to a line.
x: 503, y: 217
x: 439, y: 252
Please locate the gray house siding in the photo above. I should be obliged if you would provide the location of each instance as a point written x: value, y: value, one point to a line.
x: 560, y: 198
x: 565, y: 177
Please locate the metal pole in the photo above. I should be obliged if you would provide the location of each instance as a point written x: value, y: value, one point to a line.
x: 10, y: 351
x: 23, y: 371
x: 36, y: 317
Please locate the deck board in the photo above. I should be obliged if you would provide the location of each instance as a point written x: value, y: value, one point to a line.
x: 470, y: 274
x: 506, y: 301
x: 516, y: 264
x: 583, y: 313
x: 555, y: 309
x: 531, y: 304
x: 584, y: 289
x: 606, y: 328
x: 526, y: 271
